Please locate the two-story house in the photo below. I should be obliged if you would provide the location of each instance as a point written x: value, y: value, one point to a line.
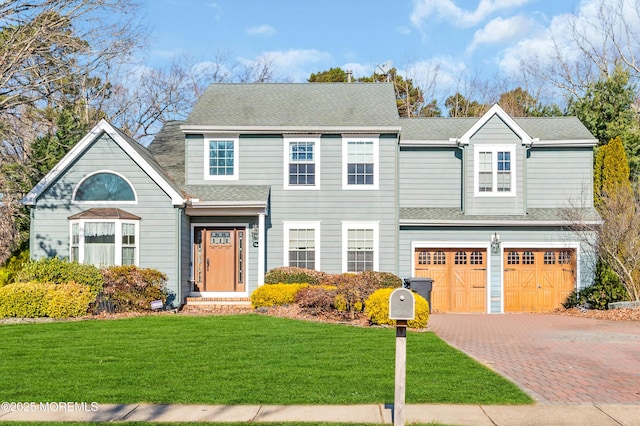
x: 328, y: 177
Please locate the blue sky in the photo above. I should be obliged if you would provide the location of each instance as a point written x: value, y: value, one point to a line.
x: 460, y: 37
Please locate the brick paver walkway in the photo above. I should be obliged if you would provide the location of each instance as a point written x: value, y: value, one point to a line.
x: 556, y: 359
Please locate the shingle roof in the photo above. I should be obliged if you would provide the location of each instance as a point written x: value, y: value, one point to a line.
x: 230, y: 194
x: 168, y: 149
x: 447, y: 216
x: 543, y: 128
x: 301, y: 104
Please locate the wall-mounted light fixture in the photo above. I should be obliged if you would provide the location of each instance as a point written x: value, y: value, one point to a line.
x: 495, y: 243
x: 255, y: 235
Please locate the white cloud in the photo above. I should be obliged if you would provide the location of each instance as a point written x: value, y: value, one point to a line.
x: 501, y: 30
x: 448, y: 10
x: 294, y: 64
x: 261, y: 30
x: 217, y: 10
x: 403, y: 30
x: 545, y: 46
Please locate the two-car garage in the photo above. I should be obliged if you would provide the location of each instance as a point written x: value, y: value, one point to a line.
x: 533, y: 279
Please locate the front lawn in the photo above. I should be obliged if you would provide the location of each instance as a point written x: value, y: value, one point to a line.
x: 243, y: 359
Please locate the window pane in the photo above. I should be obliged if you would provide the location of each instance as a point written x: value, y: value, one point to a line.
x: 302, y: 174
x: 302, y: 248
x: 128, y: 255
x: 360, y: 250
x: 99, y: 243
x: 221, y: 158
x: 104, y: 187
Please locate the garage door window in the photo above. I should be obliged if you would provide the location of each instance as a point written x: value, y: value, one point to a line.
x: 424, y: 258
x: 513, y: 258
x: 564, y: 258
x: 439, y: 258
x: 528, y: 258
x: 460, y: 258
x: 476, y: 258
x: 549, y: 258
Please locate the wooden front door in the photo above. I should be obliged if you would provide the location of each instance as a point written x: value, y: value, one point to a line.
x: 219, y: 260
x: 538, y: 280
x: 459, y: 278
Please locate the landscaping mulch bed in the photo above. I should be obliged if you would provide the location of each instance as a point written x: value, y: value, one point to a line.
x: 611, y: 314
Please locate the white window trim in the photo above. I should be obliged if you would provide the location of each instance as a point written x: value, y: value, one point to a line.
x: 117, y: 259
x: 316, y: 160
x: 236, y: 156
x: 75, y: 190
x: 493, y: 149
x: 287, y: 226
x: 375, y: 226
x: 376, y: 161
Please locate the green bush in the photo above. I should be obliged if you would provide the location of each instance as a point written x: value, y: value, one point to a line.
x: 132, y: 289
x: 69, y: 300
x: 290, y: 275
x: 606, y: 289
x: 381, y: 279
x: 37, y: 300
x: 13, y: 265
x: 275, y: 294
x: 56, y: 270
x: 24, y: 300
x: 376, y: 307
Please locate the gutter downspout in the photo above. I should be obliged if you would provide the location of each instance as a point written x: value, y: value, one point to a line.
x: 463, y: 172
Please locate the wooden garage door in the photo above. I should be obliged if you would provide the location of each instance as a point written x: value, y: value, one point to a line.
x: 459, y: 278
x: 538, y: 280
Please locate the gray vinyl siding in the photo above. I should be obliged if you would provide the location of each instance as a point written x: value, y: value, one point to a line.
x: 430, y: 177
x: 261, y: 160
x: 157, y: 228
x: 474, y: 236
x: 560, y: 177
x: 494, y: 132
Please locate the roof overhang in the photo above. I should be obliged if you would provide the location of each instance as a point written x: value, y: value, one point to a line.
x: 573, y: 143
x: 188, y: 128
x: 493, y: 223
x: 225, y: 208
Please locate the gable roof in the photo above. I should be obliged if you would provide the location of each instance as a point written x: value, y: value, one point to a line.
x: 137, y: 152
x: 291, y: 107
x: 541, y: 131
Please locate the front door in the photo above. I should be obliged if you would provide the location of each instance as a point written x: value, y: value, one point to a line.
x: 219, y: 259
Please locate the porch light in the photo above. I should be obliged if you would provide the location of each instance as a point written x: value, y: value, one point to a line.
x: 255, y: 234
x: 495, y: 243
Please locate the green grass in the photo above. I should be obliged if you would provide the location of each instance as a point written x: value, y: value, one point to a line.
x: 244, y: 359
x: 201, y: 424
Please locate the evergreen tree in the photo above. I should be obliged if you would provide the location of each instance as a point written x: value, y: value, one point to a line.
x: 611, y: 170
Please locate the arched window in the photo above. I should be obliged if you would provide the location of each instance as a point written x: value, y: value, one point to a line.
x: 104, y: 186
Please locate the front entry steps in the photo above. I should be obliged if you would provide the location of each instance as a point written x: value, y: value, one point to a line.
x: 217, y: 304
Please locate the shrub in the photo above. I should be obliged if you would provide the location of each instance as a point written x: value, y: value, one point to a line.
x: 275, y: 294
x: 69, y: 300
x: 376, y: 307
x: 316, y: 299
x: 57, y: 271
x: 290, y: 275
x: 13, y: 265
x: 132, y: 289
x: 24, y: 300
x: 382, y: 279
x: 606, y: 289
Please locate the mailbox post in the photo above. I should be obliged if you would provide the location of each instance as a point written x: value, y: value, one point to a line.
x: 402, y: 307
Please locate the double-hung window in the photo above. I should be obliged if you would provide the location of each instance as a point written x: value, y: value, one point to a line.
x: 221, y: 158
x: 302, y: 158
x: 104, y: 242
x: 302, y: 244
x: 494, y: 170
x: 360, y: 246
x: 360, y: 162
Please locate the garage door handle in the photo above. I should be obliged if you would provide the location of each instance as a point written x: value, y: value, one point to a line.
x: 477, y: 286
x: 480, y: 269
x: 510, y: 269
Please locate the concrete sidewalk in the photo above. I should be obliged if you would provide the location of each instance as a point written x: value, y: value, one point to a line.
x: 481, y: 415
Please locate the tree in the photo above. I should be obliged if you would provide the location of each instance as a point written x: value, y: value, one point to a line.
x: 459, y: 106
x: 611, y: 170
x: 409, y: 98
x: 55, y: 56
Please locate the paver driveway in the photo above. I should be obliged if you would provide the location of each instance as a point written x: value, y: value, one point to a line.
x: 556, y: 359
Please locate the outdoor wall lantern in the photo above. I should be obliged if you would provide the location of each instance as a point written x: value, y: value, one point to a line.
x: 495, y: 243
x: 255, y: 234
